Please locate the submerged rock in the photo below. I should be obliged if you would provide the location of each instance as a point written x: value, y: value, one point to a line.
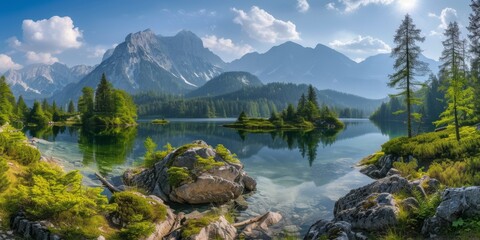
x: 195, y: 174
x: 261, y: 228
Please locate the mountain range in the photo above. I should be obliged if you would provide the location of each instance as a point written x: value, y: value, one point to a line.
x: 39, y: 81
x: 225, y: 83
x: 180, y: 64
x: 324, y: 68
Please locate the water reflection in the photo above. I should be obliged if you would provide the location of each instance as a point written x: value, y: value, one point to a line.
x: 107, y: 147
x: 300, y: 174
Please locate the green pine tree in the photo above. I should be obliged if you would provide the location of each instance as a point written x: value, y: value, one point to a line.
x: 407, y: 65
x: 459, y: 97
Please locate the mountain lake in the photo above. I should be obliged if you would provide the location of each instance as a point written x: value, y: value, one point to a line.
x: 300, y: 175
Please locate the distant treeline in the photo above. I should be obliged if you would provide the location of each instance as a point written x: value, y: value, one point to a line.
x: 164, y: 105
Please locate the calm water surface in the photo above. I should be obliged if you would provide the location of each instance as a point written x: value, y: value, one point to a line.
x: 300, y: 175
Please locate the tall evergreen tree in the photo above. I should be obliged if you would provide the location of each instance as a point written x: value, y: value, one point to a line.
x: 312, y: 96
x: 86, y: 103
x: 104, y: 97
x: 21, y: 109
x: 453, y: 71
x: 37, y: 115
x: 7, y: 101
x: 71, y: 107
x: 474, y: 37
x: 302, y: 104
x: 407, y: 65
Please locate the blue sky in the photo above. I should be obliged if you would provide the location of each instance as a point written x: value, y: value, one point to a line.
x: 79, y: 31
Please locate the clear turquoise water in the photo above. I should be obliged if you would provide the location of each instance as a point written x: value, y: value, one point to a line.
x: 304, y: 187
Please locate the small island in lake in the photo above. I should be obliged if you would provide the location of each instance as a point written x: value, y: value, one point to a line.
x: 306, y: 116
x: 160, y: 121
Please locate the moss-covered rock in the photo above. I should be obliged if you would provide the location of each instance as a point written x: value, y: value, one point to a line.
x: 195, y: 173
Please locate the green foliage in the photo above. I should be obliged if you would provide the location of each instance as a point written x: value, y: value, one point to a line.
x: 178, y: 176
x: 24, y: 154
x: 132, y: 208
x: 408, y: 169
x: 71, y: 107
x: 109, y: 106
x: 205, y: 164
x: 137, y: 230
x: 454, y: 174
x: 4, y: 182
x: 226, y: 154
x: 12, y: 143
x: 459, y: 96
x: 150, y: 147
x: 372, y: 159
x: 37, y: 115
x: 7, y: 102
x: 435, y: 145
x: 160, y: 121
x: 194, y: 226
x: 44, y: 192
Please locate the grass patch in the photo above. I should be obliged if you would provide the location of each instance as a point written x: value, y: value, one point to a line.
x: 436, y: 145
x: 372, y: 159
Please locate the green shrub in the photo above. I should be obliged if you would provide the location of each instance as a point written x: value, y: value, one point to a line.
x: 408, y: 169
x: 4, y: 182
x: 452, y: 174
x: 226, y: 155
x: 372, y: 159
x: 178, y: 176
x: 132, y: 208
x: 194, y: 226
x: 436, y: 145
x: 137, y: 230
x: 205, y: 164
x: 24, y: 154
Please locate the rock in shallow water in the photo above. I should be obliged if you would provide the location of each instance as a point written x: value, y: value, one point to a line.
x: 208, y: 176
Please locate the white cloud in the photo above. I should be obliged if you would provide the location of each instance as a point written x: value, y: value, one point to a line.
x: 303, y: 6
x: 45, y: 58
x: 352, y: 5
x: 43, y: 38
x: 361, y: 46
x: 332, y: 6
x: 262, y: 26
x: 446, y: 16
x: 52, y: 35
x: 96, y: 52
x: 6, y: 63
x: 225, y: 47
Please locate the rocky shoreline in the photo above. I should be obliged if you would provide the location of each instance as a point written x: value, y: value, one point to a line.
x: 369, y: 211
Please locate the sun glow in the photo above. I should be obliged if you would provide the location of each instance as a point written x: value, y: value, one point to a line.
x: 407, y: 5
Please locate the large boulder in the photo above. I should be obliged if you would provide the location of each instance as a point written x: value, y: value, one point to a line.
x: 455, y: 203
x: 195, y: 174
x: 392, y: 184
x: 377, y: 212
